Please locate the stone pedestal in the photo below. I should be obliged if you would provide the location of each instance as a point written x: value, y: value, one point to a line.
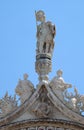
x: 43, y: 66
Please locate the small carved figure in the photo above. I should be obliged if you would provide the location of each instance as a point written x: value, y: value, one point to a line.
x: 7, y: 104
x: 43, y: 94
x: 58, y: 82
x: 24, y: 88
x: 42, y: 110
x: 45, y: 34
x: 58, y: 85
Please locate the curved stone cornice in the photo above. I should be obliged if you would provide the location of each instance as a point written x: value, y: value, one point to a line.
x: 43, y: 122
x: 20, y: 110
x: 63, y: 108
x: 53, y: 98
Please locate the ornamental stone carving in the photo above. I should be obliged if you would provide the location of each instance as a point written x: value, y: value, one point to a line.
x: 74, y: 101
x: 82, y: 103
x: 42, y: 110
x: 43, y: 68
x: 44, y: 107
x: 24, y: 89
x: 7, y: 104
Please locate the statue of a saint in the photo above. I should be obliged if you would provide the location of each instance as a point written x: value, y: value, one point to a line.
x: 24, y: 88
x: 45, y: 34
x: 58, y: 82
x: 58, y: 85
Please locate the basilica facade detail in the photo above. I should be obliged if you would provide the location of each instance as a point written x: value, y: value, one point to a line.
x: 48, y: 105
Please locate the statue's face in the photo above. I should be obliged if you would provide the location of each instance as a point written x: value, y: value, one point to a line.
x: 59, y: 73
x: 42, y: 19
x: 25, y: 76
x: 40, y: 16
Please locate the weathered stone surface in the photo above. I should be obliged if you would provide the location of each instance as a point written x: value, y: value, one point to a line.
x: 45, y: 34
x: 45, y: 44
x: 7, y: 104
x: 48, y: 106
x: 24, y: 88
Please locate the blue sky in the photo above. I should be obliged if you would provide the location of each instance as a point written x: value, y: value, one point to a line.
x: 18, y: 41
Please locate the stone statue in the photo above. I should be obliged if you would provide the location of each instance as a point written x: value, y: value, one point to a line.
x: 45, y: 34
x: 24, y: 88
x: 58, y: 82
x: 7, y: 104
x: 58, y: 85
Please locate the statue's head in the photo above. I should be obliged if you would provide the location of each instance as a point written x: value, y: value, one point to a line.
x: 59, y: 73
x: 25, y: 76
x: 40, y: 16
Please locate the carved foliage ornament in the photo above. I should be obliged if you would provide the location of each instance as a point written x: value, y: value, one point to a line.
x: 74, y: 101
x: 7, y: 104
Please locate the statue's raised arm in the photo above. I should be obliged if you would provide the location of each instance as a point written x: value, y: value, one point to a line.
x: 45, y: 34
